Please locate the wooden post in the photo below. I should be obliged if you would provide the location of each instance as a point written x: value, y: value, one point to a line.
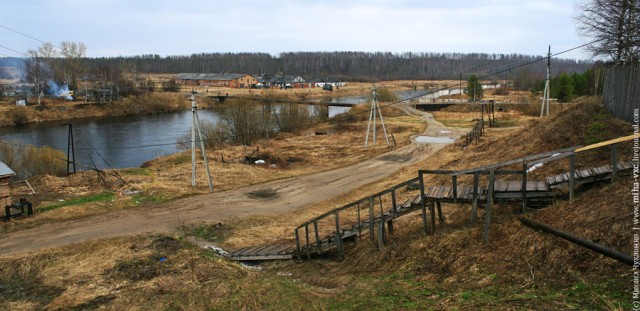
x: 315, y: 228
x: 298, y: 250
x: 440, y: 217
x: 338, y: 237
x: 380, y: 235
x: 390, y: 225
x: 394, y: 203
x: 371, y: 229
x: 482, y: 117
x: 493, y: 112
x: 432, y: 211
x: 454, y: 180
x: 614, y: 162
x: 422, y: 204
x: 487, y: 217
x: 306, y: 234
x: 524, y: 187
x: 474, y: 203
x: 572, y: 176
x: 359, y: 222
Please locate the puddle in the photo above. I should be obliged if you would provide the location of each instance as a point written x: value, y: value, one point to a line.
x: 435, y: 140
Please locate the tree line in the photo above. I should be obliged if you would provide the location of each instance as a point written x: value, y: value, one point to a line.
x: 352, y: 66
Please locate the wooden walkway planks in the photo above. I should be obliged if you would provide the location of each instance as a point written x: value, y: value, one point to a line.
x: 588, y: 174
x: 268, y: 252
x: 538, y: 193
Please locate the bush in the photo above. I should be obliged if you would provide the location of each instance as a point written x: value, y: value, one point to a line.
x: 19, y: 115
x: 31, y: 161
x: 385, y: 95
x: 292, y: 117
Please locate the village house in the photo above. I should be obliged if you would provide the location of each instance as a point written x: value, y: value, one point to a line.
x: 5, y: 176
x: 233, y: 80
x: 330, y: 81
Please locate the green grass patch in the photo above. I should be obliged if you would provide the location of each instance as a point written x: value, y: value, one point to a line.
x: 507, y: 122
x: 100, y: 197
x: 148, y: 198
x: 211, y: 232
x: 458, y: 123
x: 179, y: 159
x: 136, y: 171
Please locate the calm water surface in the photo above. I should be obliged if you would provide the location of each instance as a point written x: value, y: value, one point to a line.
x: 122, y: 141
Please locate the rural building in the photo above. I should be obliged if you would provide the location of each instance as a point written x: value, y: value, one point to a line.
x: 289, y: 81
x: 234, y: 80
x: 5, y: 175
x: 330, y: 81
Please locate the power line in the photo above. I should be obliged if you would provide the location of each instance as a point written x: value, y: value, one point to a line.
x: 12, y: 50
x: 309, y: 124
x: 22, y: 34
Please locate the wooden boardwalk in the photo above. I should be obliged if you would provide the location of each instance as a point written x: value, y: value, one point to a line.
x: 268, y: 252
x: 329, y: 232
x: 588, y: 175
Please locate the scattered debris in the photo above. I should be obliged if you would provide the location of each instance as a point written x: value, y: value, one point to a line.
x: 130, y: 192
x: 219, y: 251
x: 250, y: 266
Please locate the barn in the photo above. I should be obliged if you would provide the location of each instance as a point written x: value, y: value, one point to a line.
x: 234, y: 80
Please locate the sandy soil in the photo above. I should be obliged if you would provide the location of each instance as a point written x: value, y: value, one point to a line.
x: 284, y: 195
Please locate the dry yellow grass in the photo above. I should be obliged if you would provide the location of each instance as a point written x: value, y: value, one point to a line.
x: 169, y: 178
x: 520, y: 269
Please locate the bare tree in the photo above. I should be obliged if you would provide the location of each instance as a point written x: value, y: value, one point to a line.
x: 74, y: 54
x: 615, y: 24
x: 38, y: 73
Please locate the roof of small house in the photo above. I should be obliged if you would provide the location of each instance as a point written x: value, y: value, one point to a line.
x: 211, y: 76
x: 5, y: 170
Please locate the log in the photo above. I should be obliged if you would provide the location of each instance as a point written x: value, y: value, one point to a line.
x: 611, y: 253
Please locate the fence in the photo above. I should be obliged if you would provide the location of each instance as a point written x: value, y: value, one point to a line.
x: 621, y: 91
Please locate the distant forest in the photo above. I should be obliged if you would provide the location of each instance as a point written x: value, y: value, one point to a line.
x: 351, y: 66
x: 358, y: 66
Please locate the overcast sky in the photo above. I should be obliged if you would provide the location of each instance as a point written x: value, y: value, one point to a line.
x: 128, y: 27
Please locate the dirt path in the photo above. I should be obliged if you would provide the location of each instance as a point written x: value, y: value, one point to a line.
x: 284, y: 195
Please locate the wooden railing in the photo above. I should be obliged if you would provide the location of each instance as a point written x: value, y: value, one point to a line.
x: 370, y: 213
x: 363, y: 216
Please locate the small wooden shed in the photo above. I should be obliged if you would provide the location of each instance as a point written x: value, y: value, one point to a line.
x: 5, y: 176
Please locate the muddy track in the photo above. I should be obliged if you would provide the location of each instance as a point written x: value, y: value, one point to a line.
x: 268, y: 198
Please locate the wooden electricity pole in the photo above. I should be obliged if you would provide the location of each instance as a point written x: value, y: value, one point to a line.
x: 372, y: 116
x: 196, y: 125
x: 547, y: 90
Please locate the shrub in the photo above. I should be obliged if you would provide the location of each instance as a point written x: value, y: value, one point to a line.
x: 30, y: 161
x: 19, y: 116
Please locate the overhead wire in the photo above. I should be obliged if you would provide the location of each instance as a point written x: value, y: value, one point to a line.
x: 416, y: 96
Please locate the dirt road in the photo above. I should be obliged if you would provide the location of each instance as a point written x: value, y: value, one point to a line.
x: 284, y: 195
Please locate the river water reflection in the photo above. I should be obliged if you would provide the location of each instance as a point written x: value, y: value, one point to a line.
x: 127, y: 141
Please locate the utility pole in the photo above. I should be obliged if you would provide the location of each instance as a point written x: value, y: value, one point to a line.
x: 372, y: 116
x: 547, y: 90
x: 71, y: 151
x: 196, y: 125
x: 461, y: 87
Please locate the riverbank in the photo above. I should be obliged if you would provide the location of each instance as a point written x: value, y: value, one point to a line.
x: 448, y: 270
x: 57, y: 110
x: 319, y: 148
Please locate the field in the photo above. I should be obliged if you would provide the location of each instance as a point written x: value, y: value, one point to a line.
x: 519, y: 269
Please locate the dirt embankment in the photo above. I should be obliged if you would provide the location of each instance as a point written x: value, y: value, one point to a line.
x: 292, y: 194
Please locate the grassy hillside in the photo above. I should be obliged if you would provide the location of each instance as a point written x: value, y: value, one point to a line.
x: 519, y: 269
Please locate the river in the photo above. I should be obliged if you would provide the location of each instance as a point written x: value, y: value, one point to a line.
x: 127, y: 141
